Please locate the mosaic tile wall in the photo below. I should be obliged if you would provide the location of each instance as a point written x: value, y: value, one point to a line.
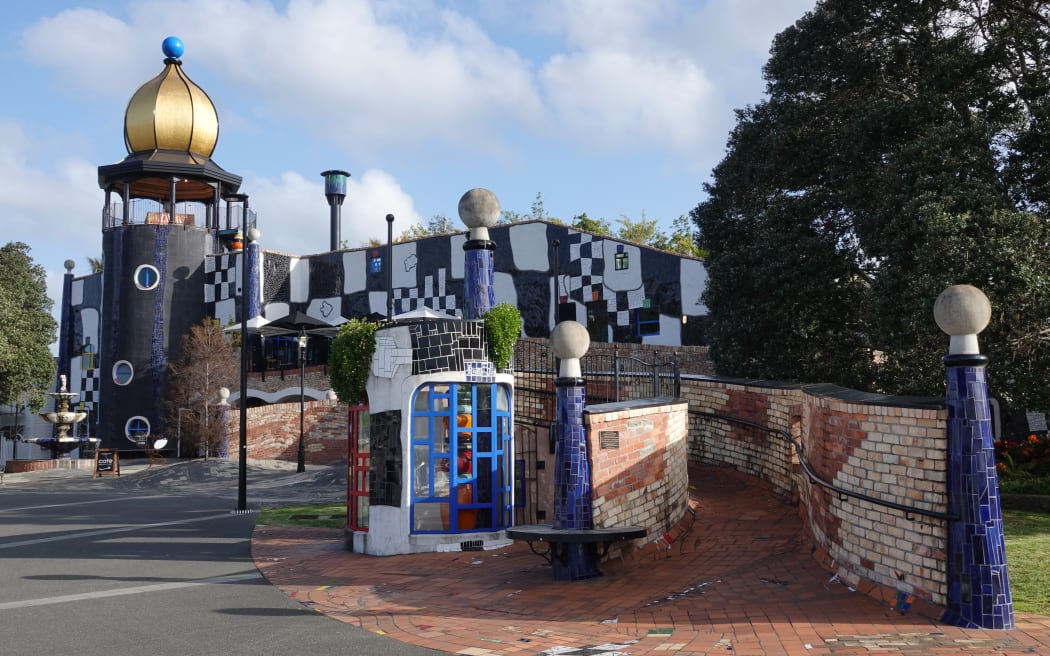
x: 433, y: 272
x: 384, y: 477
x: 978, y: 585
x: 446, y: 345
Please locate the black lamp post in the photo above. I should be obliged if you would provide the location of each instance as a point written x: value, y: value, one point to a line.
x: 389, y: 267
x: 250, y: 236
x: 301, y: 462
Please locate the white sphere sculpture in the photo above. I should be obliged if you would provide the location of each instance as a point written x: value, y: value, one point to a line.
x: 570, y: 341
x: 479, y: 210
x: 962, y: 311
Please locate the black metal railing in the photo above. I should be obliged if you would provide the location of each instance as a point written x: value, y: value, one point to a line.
x: 146, y: 211
x: 609, y: 376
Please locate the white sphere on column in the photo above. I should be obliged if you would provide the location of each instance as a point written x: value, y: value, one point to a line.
x: 570, y: 341
x: 962, y: 311
x: 479, y: 210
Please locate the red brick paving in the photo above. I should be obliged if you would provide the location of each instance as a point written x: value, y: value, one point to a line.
x: 742, y: 582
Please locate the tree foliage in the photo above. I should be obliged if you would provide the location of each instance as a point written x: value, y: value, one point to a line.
x: 27, y: 328
x: 596, y: 226
x: 439, y: 224
x: 209, y: 359
x: 902, y: 148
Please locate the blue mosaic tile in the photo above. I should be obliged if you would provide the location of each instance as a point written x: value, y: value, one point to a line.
x: 978, y: 584
x: 478, y: 269
x: 572, y: 484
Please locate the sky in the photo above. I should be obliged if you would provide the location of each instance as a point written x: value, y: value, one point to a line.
x: 609, y: 107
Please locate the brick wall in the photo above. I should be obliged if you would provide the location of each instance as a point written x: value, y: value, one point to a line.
x: 886, y: 452
x: 639, y: 466
x: 273, y: 432
x: 889, y: 449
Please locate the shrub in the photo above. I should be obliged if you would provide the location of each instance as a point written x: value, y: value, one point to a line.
x: 502, y: 329
x: 351, y: 359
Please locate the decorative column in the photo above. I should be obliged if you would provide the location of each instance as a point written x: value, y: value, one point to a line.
x: 978, y: 585
x: 66, y: 348
x: 479, y: 210
x: 224, y: 422
x: 572, y: 468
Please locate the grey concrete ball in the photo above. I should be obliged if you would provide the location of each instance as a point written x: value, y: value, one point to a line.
x: 69, y: 264
x: 570, y: 340
x: 962, y: 310
x: 479, y: 208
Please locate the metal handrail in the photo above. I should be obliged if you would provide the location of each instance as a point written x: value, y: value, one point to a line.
x: 800, y: 452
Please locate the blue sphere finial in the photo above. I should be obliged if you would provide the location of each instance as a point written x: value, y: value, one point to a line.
x: 173, y: 47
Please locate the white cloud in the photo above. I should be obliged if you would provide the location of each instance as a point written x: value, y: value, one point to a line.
x: 55, y: 210
x: 294, y: 216
x: 88, y: 50
x: 617, y: 99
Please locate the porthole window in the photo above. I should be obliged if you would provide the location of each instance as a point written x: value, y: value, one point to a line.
x: 123, y: 372
x: 136, y: 429
x: 147, y: 277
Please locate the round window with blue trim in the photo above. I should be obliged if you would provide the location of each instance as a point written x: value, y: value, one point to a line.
x: 147, y: 277
x: 123, y: 372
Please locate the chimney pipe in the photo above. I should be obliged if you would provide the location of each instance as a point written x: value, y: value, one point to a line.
x: 335, y: 192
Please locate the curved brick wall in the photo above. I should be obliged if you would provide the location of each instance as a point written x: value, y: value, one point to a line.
x: 892, y: 449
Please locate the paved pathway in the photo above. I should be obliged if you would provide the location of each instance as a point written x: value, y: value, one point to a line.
x: 741, y: 582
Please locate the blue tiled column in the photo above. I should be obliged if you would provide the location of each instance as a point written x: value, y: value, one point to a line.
x: 978, y: 585
x: 572, y: 482
x: 479, y: 209
x: 254, y: 292
x: 477, y: 278
x: 224, y: 428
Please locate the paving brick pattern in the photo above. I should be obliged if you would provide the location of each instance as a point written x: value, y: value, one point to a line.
x: 743, y: 581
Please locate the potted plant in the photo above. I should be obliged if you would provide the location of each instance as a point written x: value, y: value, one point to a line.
x: 351, y: 358
x: 502, y: 329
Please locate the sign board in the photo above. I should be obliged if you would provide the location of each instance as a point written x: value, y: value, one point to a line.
x: 107, y: 461
x: 1036, y: 422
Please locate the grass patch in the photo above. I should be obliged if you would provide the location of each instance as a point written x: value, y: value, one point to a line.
x: 320, y: 516
x: 1027, y: 544
x: 1024, y: 486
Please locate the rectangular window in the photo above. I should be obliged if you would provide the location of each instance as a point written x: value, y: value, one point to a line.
x: 620, y: 261
x: 647, y: 320
x: 88, y: 356
x: 375, y: 262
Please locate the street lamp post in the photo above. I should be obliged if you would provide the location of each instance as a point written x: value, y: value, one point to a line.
x: 301, y: 462
x: 251, y: 236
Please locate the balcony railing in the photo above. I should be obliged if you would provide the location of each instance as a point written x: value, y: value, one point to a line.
x: 143, y: 211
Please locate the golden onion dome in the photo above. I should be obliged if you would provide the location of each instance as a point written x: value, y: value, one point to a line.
x: 170, y: 112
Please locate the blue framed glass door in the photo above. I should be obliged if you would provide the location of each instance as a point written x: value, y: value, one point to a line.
x: 461, y: 458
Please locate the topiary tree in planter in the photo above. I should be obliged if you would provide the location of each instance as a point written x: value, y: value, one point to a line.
x: 351, y: 358
x: 502, y: 329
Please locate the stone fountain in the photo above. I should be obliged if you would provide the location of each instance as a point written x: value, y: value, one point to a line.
x: 63, y: 419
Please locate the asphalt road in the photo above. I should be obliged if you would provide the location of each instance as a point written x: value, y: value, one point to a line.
x: 154, y: 563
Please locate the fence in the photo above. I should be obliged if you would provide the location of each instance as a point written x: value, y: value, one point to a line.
x: 611, y: 375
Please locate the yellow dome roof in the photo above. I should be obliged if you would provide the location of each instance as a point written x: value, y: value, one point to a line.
x: 170, y: 112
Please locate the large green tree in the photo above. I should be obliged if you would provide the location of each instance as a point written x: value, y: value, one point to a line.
x: 27, y: 328
x: 902, y: 147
